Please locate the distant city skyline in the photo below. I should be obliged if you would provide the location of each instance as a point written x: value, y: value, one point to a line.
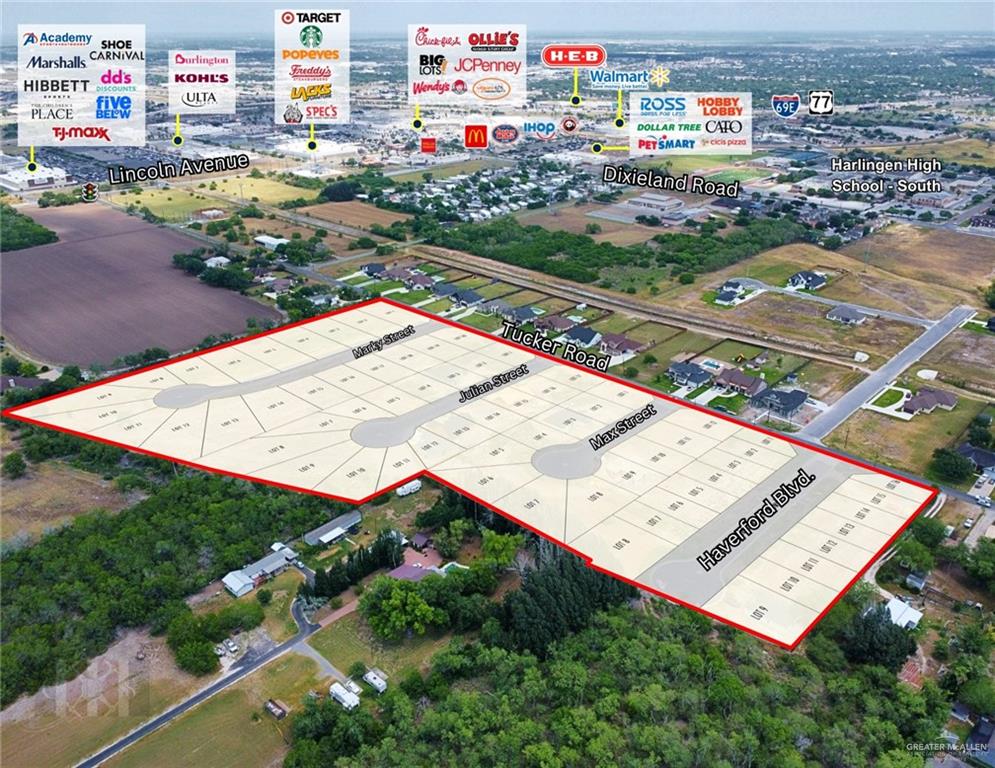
x: 638, y: 20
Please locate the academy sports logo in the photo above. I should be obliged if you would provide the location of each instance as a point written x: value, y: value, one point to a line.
x: 63, y: 39
x: 786, y: 106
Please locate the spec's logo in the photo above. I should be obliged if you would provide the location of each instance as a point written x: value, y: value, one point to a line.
x: 505, y: 134
x: 199, y: 77
x: 296, y: 53
x: 292, y: 114
x: 113, y: 108
x: 198, y: 99
x: 491, y: 89
x: 37, y: 62
x: 459, y: 86
x: 475, y: 136
x: 80, y: 132
x: 429, y: 145
x: 431, y: 64
x: 493, y: 41
x: 785, y: 105
x: 423, y: 37
x: 321, y: 112
x: 310, y: 36
x: 820, y: 102
x: 569, y: 125
x: 544, y: 131
x: 297, y: 72
x: 307, y: 92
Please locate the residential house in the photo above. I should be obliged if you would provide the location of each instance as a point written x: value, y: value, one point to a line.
x: 217, y: 262
x: 784, y: 402
x: 737, y: 381
x: 414, y: 572
x: 688, y: 374
x: 397, y: 273
x: 498, y: 307
x: 916, y: 581
x: 443, y: 289
x: 377, y: 682
x: 334, y: 529
x: 582, y: 336
x: 929, y: 400
x: 415, y: 282
x: 554, y: 324
x: 244, y: 580
x: 981, y: 742
x: 466, y: 298
x: 617, y: 344
x: 982, y: 458
x: 806, y: 280
x: 846, y: 314
x: 726, y: 298
x: 271, y: 243
x: 373, y: 269
x: 521, y: 315
x: 990, y: 325
x: 22, y: 382
x: 420, y: 540
x: 346, y: 698
x: 903, y: 615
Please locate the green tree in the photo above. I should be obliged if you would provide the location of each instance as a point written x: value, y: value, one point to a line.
x: 951, y: 466
x: 872, y: 638
x: 264, y: 596
x: 14, y: 465
x: 990, y: 295
x: 448, y: 540
x: 10, y: 365
x: 499, y: 549
x: 393, y: 607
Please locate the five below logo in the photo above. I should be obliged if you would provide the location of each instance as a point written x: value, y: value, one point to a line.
x: 475, y: 136
x: 113, y: 108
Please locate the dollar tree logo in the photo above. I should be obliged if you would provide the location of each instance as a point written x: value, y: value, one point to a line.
x: 311, y: 36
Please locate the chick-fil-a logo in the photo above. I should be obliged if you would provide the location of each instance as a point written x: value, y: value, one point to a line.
x: 422, y: 38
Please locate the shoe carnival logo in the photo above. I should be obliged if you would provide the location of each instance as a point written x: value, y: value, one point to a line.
x: 475, y: 136
x: 491, y: 89
x: 78, y: 132
x: 424, y: 37
x: 297, y: 72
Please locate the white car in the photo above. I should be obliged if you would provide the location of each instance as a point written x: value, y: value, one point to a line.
x: 219, y: 650
x: 969, y: 522
x: 231, y: 646
x: 983, y: 501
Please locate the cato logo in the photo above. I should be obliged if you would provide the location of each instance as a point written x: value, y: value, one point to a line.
x: 785, y: 106
x: 505, y: 134
x: 541, y: 130
x: 475, y: 136
x: 310, y: 36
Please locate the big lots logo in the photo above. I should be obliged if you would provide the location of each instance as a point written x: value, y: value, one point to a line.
x: 544, y: 131
x: 574, y: 55
x: 313, y: 111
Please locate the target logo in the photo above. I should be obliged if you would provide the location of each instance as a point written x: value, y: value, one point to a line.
x: 287, y: 17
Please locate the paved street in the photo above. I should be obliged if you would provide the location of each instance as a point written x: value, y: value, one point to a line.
x: 841, y: 410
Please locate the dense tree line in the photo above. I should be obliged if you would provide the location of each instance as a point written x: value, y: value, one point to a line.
x: 65, y: 597
x: 192, y: 638
x: 19, y: 231
x: 385, y: 551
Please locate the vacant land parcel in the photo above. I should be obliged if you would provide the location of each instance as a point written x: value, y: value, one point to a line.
x: 108, y: 288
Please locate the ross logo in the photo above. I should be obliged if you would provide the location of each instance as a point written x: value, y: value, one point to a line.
x: 77, y: 132
x: 493, y: 41
x: 37, y: 62
x: 307, y: 92
x: 505, y: 134
x: 310, y: 36
x: 297, y: 72
x: 113, y: 108
x: 321, y: 112
x: 820, y: 102
x: 662, y: 105
x: 785, y: 106
x: 422, y: 37
x: 431, y: 64
x: 115, y: 81
x: 292, y: 114
x: 544, y: 131
x: 459, y: 86
x: 48, y: 112
x: 491, y: 89
x: 199, y: 77
x: 578, y: 55
x: 569, y: 125
x: 198, y: 99
x: 428, y: 145
x: 296, y: 53
x: 475, y: 136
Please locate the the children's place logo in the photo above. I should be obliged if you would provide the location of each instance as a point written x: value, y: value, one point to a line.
x: 777, y: 500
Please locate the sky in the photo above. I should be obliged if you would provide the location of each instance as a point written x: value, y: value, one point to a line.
x: 642, y: 20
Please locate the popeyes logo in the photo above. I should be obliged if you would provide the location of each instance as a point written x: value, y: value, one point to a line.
x: 422, y: 37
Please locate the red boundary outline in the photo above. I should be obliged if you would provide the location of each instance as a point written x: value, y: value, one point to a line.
x: 934, y: 492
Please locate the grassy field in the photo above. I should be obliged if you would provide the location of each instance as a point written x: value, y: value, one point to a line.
x: 170, y: 204
x: 411, y: 297
x: 445, y: 171
x: 616, y: 323
x: 575, y: 219
x: 907, y: 445
x: 50, y: 495
x: 935, y: 257
x: 732, y: 403
x: 738, y: 174
x: 551, y: 305
x: 965, y: 358
x: 779, y: 365
x: 354, y: 213
x: 231, y: 728
x: 277, y: 622
x: 494, y: 290
x: 473, y: 283
x: 889, y: 397
x: 734, y: 351
x: 682, y: 343
x: 438, y: 306
x: 959, y: 150
x: 691, y: 163
x: 349, y: 640
x: 482, y: 322
x: 265, y: 191
x: 827, y: 382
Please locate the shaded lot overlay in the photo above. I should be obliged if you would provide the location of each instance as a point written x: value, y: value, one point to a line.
x: 754, y: 529
x: 107, y: 289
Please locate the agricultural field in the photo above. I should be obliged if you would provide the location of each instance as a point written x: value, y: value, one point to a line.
x: 958, y: 150
x: 232, y: 728
x: 246, y: 189
x: 282, y: 228
x: 108, y: 288
x: 174, y: 205
x: 906, y: 445
x: 349, y: 639
x: 934, y: 257
x: 445, y: 171
x: 353, y: 213
x: 965, y: 358
x: 61, y: 725
x: 51, y: 495
x: 575, y: 219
